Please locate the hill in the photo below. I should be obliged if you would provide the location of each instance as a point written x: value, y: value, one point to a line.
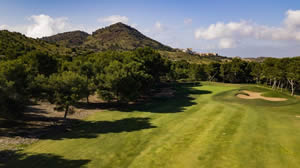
x: 258, y: 59
x: 14, y: 44
x: 68, y: 39
x: 114, y: 37
x: 193, y: 58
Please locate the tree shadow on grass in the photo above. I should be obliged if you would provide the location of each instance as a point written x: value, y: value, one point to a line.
x: 183, y: 97
x: 33, y: 124
x: 42, y: 127
x: 15, y: 159
x: 93, y: 129
x: 84, y: 129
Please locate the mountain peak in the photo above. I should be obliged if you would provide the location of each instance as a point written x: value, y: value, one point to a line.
x: 118, y: 36
x: 122, y: 37
x: 115, y: 27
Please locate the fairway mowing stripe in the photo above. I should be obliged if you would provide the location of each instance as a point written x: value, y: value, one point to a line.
x: 220, y: 143
x: 172, y: 119
x: 196, y: 144
x: 252, y: 138
x: 171, y: 144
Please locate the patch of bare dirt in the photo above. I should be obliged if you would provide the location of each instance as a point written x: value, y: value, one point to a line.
x: 257, y: 95
x: 39, y: 120
x: 297, y: 116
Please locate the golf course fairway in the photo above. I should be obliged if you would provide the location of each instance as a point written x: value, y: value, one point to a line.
x: 205, y: 126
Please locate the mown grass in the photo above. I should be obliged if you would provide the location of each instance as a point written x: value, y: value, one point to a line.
x: 203, y: 126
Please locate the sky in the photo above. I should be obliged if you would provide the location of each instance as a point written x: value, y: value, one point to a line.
x: 245, y: 28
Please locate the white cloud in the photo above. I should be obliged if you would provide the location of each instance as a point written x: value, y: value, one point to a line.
x: 134, y: 25
x: 188, y: 21
x: 158, y: 26
x: 114, y: 19
x: 227, y: 43
x: 4, y: 27
x: 229, y: 33
x: 292, y: 19
x: 42, y: 25
x: 21, y: 29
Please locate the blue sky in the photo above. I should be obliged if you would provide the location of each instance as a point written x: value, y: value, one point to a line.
x: 230, y: 27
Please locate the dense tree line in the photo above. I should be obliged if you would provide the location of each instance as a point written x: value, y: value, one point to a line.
x: 113, y: 76
x: 277, y: 73
x: 123, y: 76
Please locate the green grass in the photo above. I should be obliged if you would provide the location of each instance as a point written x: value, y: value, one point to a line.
x: 205, y: 126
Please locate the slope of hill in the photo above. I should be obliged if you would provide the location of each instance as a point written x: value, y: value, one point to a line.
x: 258, y: 59
x: 193, y: 58
x: 114, y: 37
x: 121, y: 37
x: 68, y: 39
x: 15, y: 44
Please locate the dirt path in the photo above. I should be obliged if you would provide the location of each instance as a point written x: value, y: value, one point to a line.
x: 257, y: 95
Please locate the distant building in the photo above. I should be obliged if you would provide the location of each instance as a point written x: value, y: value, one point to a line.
x: 208, y: 54
x: 189, y: 51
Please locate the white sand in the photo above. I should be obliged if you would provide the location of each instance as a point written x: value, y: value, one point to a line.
x: 257, y: 95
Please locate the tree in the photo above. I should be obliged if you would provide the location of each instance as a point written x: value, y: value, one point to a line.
x: 225, y: 72
x: 40, y: 63
x: 179, y: 70
x: 270, y: 71
x: 153, y: 63
x: 86, y: 70
x: 66, y: 89
x: 257, y: 72
x: 196, y: 72
x: 212, y: 70
x: 122, y: 81
x: 293, y: 73
x: 13, y: 87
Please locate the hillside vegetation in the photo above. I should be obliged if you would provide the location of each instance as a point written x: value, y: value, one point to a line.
x: 114, y: 37
x: 14, y: 44
x: 193, y: 58
x: 68, y: 39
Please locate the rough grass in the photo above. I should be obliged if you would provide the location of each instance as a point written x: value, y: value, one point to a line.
x: 204, y: 126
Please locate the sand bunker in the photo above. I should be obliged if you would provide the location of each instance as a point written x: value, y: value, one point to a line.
x: 298, y: 116
x: 256, y: 95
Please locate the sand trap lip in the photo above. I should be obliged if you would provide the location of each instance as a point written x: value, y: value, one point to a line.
x: 257, y: 95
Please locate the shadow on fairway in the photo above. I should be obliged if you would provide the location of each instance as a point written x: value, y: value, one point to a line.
x: 183, y: 98
x: 45, y: 127
x: 86, y: 129
x: 93, y: 129
x: 9, y: 158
